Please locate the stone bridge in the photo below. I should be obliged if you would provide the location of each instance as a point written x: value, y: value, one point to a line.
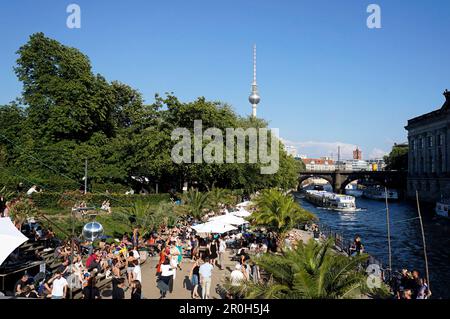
x: 340, y: 179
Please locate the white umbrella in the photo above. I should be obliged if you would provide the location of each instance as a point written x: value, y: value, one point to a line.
x: 213, y: 227
x: 242, y: 213
x: 244, y: 204
x: 229, y: 219
x: 10, y: 238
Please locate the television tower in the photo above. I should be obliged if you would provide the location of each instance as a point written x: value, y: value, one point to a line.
x: 254, y: 97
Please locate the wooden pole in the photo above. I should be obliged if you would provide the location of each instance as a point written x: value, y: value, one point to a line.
x: 423, y: 240
x: 85, y: 175
x: 388, y: 230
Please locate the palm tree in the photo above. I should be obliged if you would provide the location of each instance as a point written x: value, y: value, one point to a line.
x: 195, y: 203
x: 21, y: 210
x: 6, y: 194
x: 309, y: 271
x: 218, y: 196
x: 278, y: 212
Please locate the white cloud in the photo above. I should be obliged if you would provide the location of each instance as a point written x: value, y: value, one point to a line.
x: 377, y: 153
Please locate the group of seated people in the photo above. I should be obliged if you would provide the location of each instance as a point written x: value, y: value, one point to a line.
x: 81, y: 266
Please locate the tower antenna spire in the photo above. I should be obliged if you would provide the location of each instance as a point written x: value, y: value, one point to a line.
x: 254, y: 98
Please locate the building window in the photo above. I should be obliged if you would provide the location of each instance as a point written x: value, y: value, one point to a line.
x: 413, y: 144
x: 422, y: 142
x: 441, y: 139
x: 432, y: 166
x: 430, y: 141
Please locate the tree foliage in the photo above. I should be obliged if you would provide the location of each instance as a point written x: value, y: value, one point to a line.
x: 67, y: 114
x: 309, y: 271
x: 397, y: 159
x: 278, y: 212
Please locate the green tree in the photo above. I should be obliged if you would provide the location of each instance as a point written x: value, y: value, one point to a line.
x: 195, y: 203
x: 309, y: 271
x: 398, y: 158
x: 278, y: 212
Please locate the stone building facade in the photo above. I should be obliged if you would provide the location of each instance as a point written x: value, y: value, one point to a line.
x: 429, y: 154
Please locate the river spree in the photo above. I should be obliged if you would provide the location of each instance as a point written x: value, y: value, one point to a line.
x: 406, y: 240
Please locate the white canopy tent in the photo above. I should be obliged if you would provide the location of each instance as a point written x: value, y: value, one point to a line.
x: 10, y: 238
x: 229, y: 219
x: 241, y: 213
x: 213, y: 227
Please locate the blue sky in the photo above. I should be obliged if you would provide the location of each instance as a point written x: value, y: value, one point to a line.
x: 324, y: 77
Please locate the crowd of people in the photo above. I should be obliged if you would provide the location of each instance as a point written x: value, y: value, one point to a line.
x: 410, y: 285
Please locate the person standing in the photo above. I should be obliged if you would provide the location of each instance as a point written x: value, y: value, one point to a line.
x: 205, y: 272
x: 195, y: 279
x: 180, y: 255
x: 166, y: 276
x: 213, y: 248
x: 136, y: 290
x: 222, y: 249
x: 118, y: 288
x: 174, y: 253
x: 137, y: 273
x: 91, y: 291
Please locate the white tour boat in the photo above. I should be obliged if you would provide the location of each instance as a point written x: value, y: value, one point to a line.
x: 331, y: 200
x: 442, y: 208
x: 380, y: 193
x: 353, y: 190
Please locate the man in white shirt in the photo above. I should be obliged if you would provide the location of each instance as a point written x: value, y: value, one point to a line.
x: 32, y: 190
x: 205, y: 272
x: 59, y: 286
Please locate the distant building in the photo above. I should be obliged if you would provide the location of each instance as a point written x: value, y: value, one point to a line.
x: 291, y: 150
x: 319, y: 164
x: 376, y: 164
x: 352, y: 165
x: 429, y: 154
x: 357, y: 154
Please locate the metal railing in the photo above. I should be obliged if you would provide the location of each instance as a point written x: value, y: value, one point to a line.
x: 343, y: 245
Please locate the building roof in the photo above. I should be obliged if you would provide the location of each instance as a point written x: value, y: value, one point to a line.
x: 437, y: 114
x: 318, y: 161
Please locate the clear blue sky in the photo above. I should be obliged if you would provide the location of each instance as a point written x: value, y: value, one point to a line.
x: 324, y: 77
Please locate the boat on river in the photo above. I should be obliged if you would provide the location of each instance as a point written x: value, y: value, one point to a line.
x: 344, y: 203
x: 442, y: 208
x: 379, y: 193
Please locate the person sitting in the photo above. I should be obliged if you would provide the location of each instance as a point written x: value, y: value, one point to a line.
x: 21, y: 284
x: 29, y: 292
x: 106, y: 206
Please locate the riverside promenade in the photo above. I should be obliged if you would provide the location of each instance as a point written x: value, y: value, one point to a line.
x: 182, y: 284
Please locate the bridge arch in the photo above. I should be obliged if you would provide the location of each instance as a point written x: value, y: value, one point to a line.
x: 304, y: 177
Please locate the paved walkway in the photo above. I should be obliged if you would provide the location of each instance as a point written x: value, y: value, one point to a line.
x: 182, y: 285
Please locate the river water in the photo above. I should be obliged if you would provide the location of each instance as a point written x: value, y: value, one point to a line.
x: 406, y: 239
